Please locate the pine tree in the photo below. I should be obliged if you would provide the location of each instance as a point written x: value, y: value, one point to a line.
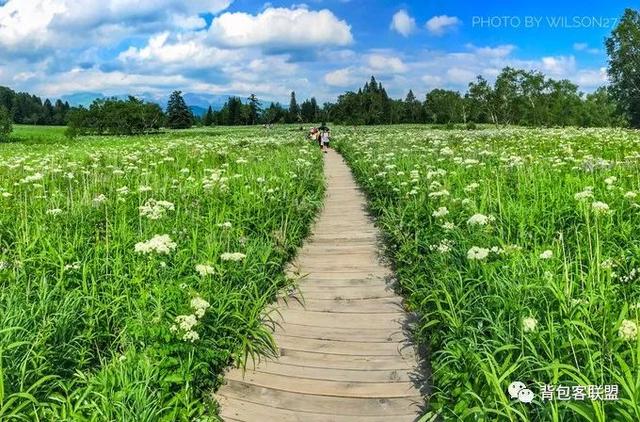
x: 178, y: 114
x: 208, y: 118
x: 294, y: 109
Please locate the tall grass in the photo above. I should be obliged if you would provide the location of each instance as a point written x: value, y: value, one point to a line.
x: 538, y: 286
x: 87, y: 320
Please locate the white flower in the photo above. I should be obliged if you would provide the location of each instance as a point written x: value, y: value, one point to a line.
x: 225, y: 225
x: 546, y: 254
x: 448, y: 225
x: 628, y: 330
x: 478, y: 254
x: 630, y: 195
x: 54, y: 211
x: 610, y: 180
x: 204, y: 270
x: 478, y: 220
x: 232, y: 256
x: 143, y: 189
x: 154, y: 210
x: 439, y: 194
x: 161, y: 244
x: 199, y: 306
x: 529, y: 324
x: 123, y: 190
x: 471, y: 187
x: 191, y: 336
x: 440, y: 212
x: 600, y: 207
x: 186, y: 322
x: 99, y: 200
x: 585, y: 194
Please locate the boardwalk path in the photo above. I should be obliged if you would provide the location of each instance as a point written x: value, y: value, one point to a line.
x: 344, y: 355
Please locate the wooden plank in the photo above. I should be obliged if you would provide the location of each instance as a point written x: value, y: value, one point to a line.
x: 300, y: 402
x: 328, y: 388
x: 332, y: 374
x: 324, y: 360
x: 368, y: 335
x: 379, y: 305
x: 240, y: 410
x: 340, y: 347
x: 353, y: 321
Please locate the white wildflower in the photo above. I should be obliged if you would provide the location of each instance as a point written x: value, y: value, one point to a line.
x: 478, y: 220
x: 440, y: 212
x: 161, y: 244
x: 548, y: 254
x: 628, y: 330
x: 478, y: 254
x: 600, y: 207
x: 199, y: 306
x: 204, y: 270
x: 529, y: 324
x: 232, y: 256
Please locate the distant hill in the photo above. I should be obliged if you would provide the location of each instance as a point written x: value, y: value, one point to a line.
x: 198, y: 102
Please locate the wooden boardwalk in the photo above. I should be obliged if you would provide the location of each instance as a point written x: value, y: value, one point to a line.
x: 344, y: 354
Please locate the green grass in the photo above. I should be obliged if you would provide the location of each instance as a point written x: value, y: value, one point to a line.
x: 518, y: 313
x: 86, y: 320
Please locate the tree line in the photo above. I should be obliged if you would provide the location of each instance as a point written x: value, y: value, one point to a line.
x: 24, y: 108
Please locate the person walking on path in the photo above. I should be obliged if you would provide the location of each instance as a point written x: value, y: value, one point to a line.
x: 324, y: 139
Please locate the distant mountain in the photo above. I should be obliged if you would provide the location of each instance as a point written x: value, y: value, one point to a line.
x: 198, y: 111
x: 198, y: 102
x: 82, y: 98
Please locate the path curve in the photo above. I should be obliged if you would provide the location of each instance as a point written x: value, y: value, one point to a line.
x: 344, y: 354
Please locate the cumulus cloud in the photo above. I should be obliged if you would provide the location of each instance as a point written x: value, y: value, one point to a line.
x: 341, y: 77
x: 185, y: 50
x: 36, y: 24
x: 438, y: 25
x: 583, y: 46
x: 403, y: 23
x: 281, y: 28
x: 383, y: 64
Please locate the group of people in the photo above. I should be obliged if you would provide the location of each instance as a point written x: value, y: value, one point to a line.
x: 322, y: 136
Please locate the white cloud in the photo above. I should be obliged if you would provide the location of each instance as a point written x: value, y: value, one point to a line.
x: 583, y: 46
x: 341, y: 77
x: 186, y: 50
x: 403, y: 23
x: 494, y: 52
x: 460, y: 76
x: 592, y: 78
x: 281, y: 28
x: 385, y: 64
x: 35, y: 24
x: 558, y: 66
x: 438, y: 25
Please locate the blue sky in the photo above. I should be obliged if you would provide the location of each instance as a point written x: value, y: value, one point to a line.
x: 321, y: 47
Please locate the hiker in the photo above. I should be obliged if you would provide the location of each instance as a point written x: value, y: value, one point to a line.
x: 324, y: 141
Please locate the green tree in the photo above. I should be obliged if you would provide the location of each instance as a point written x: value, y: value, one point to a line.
x: 254, y: 109
x: 444, y: 106
x: 294, y: 109
x: 6, y: 123
x: 208, y: 117
x: 178, y: 114
x: 623, y: 48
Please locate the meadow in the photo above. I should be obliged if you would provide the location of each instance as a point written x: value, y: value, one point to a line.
x: 133, y: 270
x: 519, y: 251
